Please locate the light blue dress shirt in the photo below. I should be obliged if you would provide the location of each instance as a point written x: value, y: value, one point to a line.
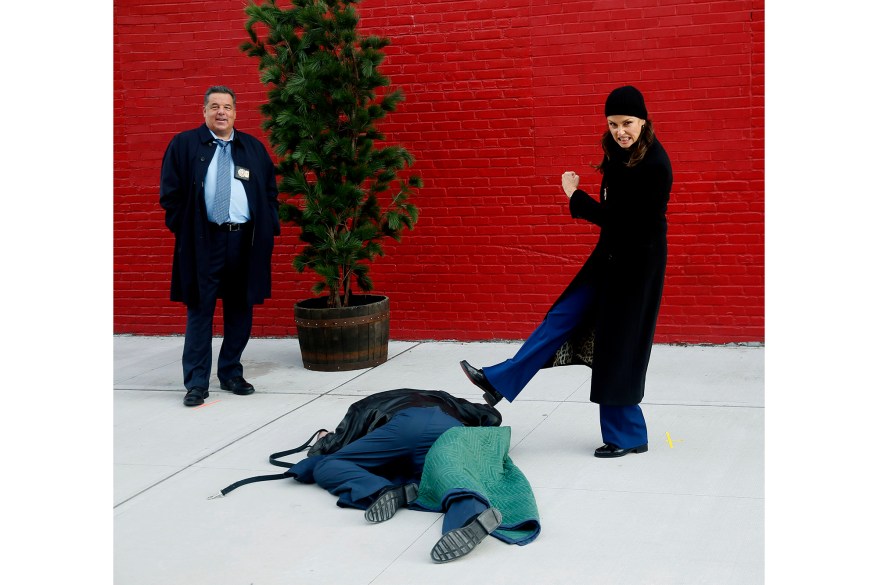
x: 239, y: 209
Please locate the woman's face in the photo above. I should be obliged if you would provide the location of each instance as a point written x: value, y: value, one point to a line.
x: 625, y: 129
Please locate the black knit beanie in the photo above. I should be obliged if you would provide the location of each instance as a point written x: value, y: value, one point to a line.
x: 626, y: 101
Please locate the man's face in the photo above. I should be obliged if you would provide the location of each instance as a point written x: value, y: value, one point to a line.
x: 219, y: 114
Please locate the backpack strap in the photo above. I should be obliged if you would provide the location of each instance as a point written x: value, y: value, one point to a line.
x: 273, y: 459
x: 238, y: 484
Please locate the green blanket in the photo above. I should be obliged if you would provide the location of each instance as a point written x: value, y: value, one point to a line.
x: 475, y: 461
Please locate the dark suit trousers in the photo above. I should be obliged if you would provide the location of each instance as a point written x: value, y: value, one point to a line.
x: 228, y: 278
x: 460, y: 511
x: 391, y: 455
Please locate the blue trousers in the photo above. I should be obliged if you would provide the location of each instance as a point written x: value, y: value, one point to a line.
x: 391, y: 455
x: 510, y: 377
x: 624, y: 426
x: 228, y: 272
x: 460, y: 510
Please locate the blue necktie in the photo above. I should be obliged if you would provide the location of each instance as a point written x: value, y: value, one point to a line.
x: 223, y: 194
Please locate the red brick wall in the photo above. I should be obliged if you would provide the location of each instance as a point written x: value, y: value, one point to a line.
x: 502, y: 96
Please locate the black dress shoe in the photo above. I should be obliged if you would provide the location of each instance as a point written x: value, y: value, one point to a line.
x: 238, y: 385
x: 389, y: 501
x: 195, y: 396
x: 460, y: 541
x: 477, y: 377
x: 611, y: 450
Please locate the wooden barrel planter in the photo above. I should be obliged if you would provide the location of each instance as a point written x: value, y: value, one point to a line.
x: 347, y: 338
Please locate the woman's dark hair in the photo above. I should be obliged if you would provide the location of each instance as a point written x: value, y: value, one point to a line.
x: 638, y: 151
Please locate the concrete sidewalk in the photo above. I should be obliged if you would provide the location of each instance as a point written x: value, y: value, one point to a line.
x: 689, y: 511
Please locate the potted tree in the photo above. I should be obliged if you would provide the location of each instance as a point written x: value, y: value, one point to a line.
x: 347, y: 189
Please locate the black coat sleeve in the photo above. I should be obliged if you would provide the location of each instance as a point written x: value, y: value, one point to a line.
x: 172, y: 189
x: 271, y: 191
x: 582, y: 206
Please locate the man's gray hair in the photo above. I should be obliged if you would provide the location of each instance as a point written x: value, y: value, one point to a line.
x: 219, y: 89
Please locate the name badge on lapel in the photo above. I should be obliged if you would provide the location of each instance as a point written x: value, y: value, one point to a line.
x: 242, y: 173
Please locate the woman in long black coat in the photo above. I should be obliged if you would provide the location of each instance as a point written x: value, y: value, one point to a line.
x: 606, y: 317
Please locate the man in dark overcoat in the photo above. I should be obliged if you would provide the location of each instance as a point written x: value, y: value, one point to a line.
x: 219, y: 193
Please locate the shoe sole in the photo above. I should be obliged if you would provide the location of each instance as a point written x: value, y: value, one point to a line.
x: 642, y: 449
x: 389, y: 502
x: 461, y: 541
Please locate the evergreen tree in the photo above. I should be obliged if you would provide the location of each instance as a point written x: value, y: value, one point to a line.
x: 320, y: 117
